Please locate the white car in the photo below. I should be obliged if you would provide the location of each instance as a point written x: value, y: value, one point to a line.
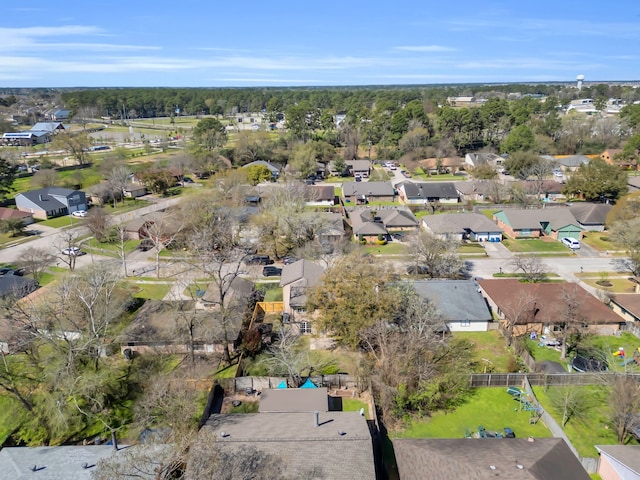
x: 75, y: 251
x: 572, y: 243
x: 79, y: 213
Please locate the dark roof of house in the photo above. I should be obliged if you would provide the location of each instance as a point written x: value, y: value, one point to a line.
x: 473, y: 459
x: 558, y: 217
x: 240, y: 290
x: 430, y: 163
x: 397, y: 217
x: 333, y: 224
x: 363, y: 221
x: 534, y: 187
x: 56, y: 463
x: 303, y: 270
x: 429, y: 189
x: 358, y: 165
x: 319, y: 193
x: 455, y: 299
x: 629, y: 301
x: 290, y: 400
x: 543, y: 302
x: 16, y: 286
x: 470, y: 187
x: 12, y: 213
x: 590, y: 213
x: 459, y: 223
x: 340, y: 447
x: 628, y: 455
x: 48, y: 201
x: 367, y: 189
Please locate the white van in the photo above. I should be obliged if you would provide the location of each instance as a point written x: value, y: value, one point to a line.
x: 572, y: 243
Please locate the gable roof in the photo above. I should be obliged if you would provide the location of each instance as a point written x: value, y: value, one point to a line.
x: 319, y: 193
x: 428, y: 189
x: 455, y: 299
x: 16, y: 286
x: 629, y: 301
x: 590, y: 213
x: 294, y: 400
x: 47, y: 127
x: 303, y: 270
x: 557, y: 217
x: 470, y: 187
x: 339, y: 447
x: 363, y: 221
x: 272, y: 168
x: 572, y: 161
x: 367, y: 188
x: 472, y: 458
x: 459, y: 223
x: 546, y: 301
x: 397, y: 217
x: 430, y: 163
x: 532, y: 187
x: 627, y: 455
x: 358, y: 165
x: 11, y: 213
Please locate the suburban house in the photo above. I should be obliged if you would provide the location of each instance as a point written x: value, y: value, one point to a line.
x: 71, y: 462
x: 318, y: 444
x: 275, y: 171
x: 51, y: 202
x: 368, y: 223
x: 143, y: 226
x: 441, y: 165
x: 537, y: 307
x: 545, y: 190
x: 463, y: 226
x: 237, y: 295
x: 13, y: 214
x: 15, y: 286
x: 294, y: 400
x: 609, y: 155
x: 474, y: 160
x: 627, y: 305
x: 60, y: 115
x: 571, y: 163
x: 476, y: 190
x: 359, y: 167
x: 480, y: 458
x: 365, y: 192
x: 619, y: 462
x: 296, y: 279
x: 422, y: 193
x: 551, y: 222
x: 132, y: 190
x: 332, y: 228
x: 462, y: 306
x: 319, y: 195
x: 590, y: 216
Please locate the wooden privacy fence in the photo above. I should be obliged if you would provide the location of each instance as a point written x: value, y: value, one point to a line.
x: 544, y: 379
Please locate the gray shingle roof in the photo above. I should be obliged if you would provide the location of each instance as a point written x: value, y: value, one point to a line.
x: 367, y: 188
x: 532, y: 218
x: 459, y: 223
x: 590, y: 213
x: 290, y: 400
x: 472, y: 459
x: 572, y: 161
x: 628, y: 455
x: 309, y: 272
x: 272, y: 168
x: 455, y: 299
x: 55, y: 463
x: 298, y: 445
x: 469, y: 187
x: 414, y: 190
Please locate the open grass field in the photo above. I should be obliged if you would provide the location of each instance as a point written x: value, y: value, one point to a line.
x: 61, y: 222
x: 493, y: 408
x: 150, y: 291
x: 594, y: 429
x: 536, y: 245
x: 490, y: 350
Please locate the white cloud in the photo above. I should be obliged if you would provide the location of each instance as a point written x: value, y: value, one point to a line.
x: 425, y: 48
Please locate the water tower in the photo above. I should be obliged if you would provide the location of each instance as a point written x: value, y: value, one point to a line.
x: 580, y: 79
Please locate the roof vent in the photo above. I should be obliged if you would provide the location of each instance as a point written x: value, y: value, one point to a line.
x: 531, y: 439
x: 492, y: 467
x: 519, y: 467
x: 224, y: 434
x: 316, y: 418
x: 341, y: 433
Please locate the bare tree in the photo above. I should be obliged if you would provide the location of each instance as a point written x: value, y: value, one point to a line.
x: 532, y: 268
x: 98, y: 222
x: 35, y: 261
x: 624, y: 402
x: 437, y: 254
x: 68, y: 248
x: 45, y: 178
x: 571, y: 402
x: 117, y: 180
x: 518, y: 310
x: 161, y: 231
x: 571, y: 321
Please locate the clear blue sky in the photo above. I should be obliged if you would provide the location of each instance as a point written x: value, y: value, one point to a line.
x: 196, y: 43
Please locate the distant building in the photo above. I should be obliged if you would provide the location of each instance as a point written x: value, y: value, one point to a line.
x: 51, y: 202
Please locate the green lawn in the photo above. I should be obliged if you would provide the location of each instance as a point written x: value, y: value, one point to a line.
x: 619, y: 285
x: 540, y: 354
x: 391, y: 248
x: 609, y: 344
x: 112, y: 249
x: 475, y: 248
x: 150, y: 291
x: 379, y: 175
x: 600, y: 241
x: 492, y: 408
x: 535, y: 245
x: 594, y: 429
x: 11, y: 415
x: 128, y: 205
x: 489, y: 346
x: 61, y: 222
x: 272, y: 291
x: 354, y: 405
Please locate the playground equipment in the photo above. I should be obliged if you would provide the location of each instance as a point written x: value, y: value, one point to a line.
x: 525, y: 404
x: 627, y: 360
x: 484, y: 433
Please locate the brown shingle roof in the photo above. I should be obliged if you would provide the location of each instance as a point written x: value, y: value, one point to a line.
x: 546, y: 301
x: 11, y: 213
x: 630, y: 302
x: 473, y: 459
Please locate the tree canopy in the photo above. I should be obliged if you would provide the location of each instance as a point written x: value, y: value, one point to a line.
x: 597, y: 181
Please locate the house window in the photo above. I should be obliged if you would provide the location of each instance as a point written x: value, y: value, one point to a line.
x: 305, y: 327
x: 465, y: 323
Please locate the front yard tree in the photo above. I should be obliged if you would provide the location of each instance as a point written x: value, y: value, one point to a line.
x: 77, y: 145
x: 35, y: 261
x: 597, y: 181
x: 98, y: 222
x: 519, y: 309
x: 624, y: 403
x: 209, y: 135
x: 532, y: 268
x: 8, y: 174
x: 571, y: 320
x: 627, y: 234
x: 437, y: 254
x: 12, y: 226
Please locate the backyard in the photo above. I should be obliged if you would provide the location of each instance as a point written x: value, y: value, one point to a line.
x: 492, y: 408
x: 490, y: 351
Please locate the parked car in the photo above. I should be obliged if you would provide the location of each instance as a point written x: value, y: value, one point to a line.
x: 258, y: 260
x: 289, y: 260
x: 310, y: 181
x: 572, y: 243
x: 397, y: 236
x: 271, y: 271
x: 75, y: 251
x: 79, y: 213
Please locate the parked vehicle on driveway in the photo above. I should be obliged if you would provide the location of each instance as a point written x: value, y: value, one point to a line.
x: 75, y: 251
x: 258, y: 260
x: 271, y: 271
x: 572, y: 243
x: 79, y: 213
